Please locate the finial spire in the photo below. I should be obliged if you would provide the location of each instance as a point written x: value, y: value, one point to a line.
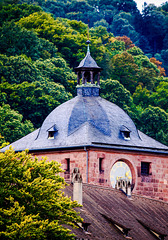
x: 88, y: 49
x: 88, y: 29
x: 88, y: 41
x: 88, y: 70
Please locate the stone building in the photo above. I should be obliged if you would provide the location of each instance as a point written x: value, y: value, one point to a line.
x: 100, y: 139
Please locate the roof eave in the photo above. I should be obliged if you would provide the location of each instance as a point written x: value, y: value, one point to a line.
x: 104, y: 146
x: 88, y: 68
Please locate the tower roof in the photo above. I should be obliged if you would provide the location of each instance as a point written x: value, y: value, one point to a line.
x: 88, y: 62
x: 88, y: 121
x: 89, y: 69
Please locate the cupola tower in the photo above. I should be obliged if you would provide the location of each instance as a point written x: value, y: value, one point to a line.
x: 88, y: 76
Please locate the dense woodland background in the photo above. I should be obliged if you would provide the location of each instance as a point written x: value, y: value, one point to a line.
x: 42, y: 41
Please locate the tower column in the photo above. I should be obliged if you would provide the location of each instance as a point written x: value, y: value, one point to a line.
x: 83, y: 77
x: 78, y: 78
x: 91, y: 77
x: 98, y: 78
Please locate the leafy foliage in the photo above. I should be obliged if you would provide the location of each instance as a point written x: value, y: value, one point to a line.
x: 14, y: 12
x: 66, y: 36
x: 153, y: 121
x: 114, y: 91
x: 160, y: 95
x: 11, y: 125
x: 124, y: 69
x: 32, y: 204
x: 34, y: 100
x: 35, y: 88
x: 158, y: 64
x: 25, y: 42
x: 148, y: 30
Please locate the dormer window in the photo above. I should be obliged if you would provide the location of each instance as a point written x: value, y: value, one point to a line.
x: 52, y: 132
x: 125, y: 132
x: 51, y: 135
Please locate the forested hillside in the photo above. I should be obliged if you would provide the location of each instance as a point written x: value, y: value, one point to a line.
x: 148, y: 30
x: 39, y: 50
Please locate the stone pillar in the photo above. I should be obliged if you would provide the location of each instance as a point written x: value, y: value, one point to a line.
x: 77, y: 186
x: 77, y: 192
x: 118, y: 184
x: 98, y: 78
x: 78, y: 78
x: 124, y: 186
x: 91, y: 77
x: 83, y: 77
x: 129, y: 189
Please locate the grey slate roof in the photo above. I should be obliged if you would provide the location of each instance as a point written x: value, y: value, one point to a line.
x: 88, y: 62
x: 88, y: 121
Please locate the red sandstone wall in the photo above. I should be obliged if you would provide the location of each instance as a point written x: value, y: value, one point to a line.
x: 155, y: 185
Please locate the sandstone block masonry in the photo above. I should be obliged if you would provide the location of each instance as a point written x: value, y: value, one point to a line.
x: 152, y: 183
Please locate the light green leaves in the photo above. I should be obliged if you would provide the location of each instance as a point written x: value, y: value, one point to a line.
x: 31, y: 201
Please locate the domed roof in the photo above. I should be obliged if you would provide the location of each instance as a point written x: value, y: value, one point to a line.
x: 87, y: 121
x: 84, y: 120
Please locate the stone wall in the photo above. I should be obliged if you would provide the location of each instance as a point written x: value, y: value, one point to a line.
x: 154, y: 185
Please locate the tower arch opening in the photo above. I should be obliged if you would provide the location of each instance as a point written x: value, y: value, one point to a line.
x: 122, y: 170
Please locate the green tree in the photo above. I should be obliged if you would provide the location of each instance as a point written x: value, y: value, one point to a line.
x: 68, y: 41
x: 35, y: 88
x: 164, y: 7
x: 17, y: 69
x: 102, y: 22
x: 71, y: 43
x: 124, y: 69
x: 142, y: 96
x: 25, y: 42
x: 57, y: 70
x: 154, y: 122
x: 153, y: 26
x: 135, y: 51
x: 34, y: 100
x: 100, y: 32
x: 6, y: 2
x: 3, y: 143
x: 148, y: 71
x: 78, y: 10
x: 160, y: 95
x: 11, y: 125
x: 126, y: 6
x: 115, y: 46
x: 123, y: 25
x: 32, y: 204
x: 15, y: 12
x: 143, y: 43
x: 147, y: 77
x: 114, y: 91
x: 128, y: 43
